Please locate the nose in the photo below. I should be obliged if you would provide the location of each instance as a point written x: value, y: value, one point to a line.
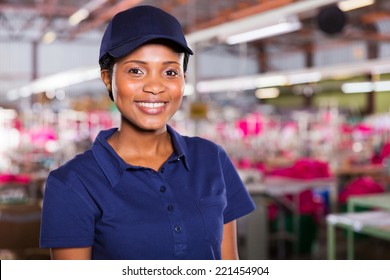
x: 154, y: 85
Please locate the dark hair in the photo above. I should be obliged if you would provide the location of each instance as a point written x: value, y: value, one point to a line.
x: 107, y: 63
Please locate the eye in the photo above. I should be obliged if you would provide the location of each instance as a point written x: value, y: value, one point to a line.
x: 135, y: 71
x: 171, y: 73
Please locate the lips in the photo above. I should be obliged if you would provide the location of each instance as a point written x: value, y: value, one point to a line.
x: 151, y: 108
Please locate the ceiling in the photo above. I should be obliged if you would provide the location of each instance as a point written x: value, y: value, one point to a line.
x: 31, y: 19
x: 204, y: 22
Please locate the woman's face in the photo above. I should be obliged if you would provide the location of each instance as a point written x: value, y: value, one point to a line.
x: 147, y: 86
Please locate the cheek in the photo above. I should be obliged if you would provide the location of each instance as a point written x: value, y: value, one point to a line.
x: 123, y: 89
x: 177, y: 98
x: 178, y: 90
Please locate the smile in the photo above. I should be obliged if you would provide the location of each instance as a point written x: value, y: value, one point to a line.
x: 151, y: 105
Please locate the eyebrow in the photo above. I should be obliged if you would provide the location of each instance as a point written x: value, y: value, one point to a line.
x: 144, y: 62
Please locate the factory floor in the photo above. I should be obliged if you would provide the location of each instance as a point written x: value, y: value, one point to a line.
x: 366, y: 247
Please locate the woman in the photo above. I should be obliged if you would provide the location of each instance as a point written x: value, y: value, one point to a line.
x: 143, y: 191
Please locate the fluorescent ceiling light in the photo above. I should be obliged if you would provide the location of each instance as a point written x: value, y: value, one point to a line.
x: 56, y: 81
x: 257, y: 20
x: 308, y: 75
x: 259, y: 81
x: 357, y: 87
x: 267, y: 93
x: 289, y: 25
x: 305, y: 77
x: 366, y: 87
x: 382, y: 86
x: 232, y: 84
x: 49, y: 37
x: 271, y: 81
x: 78, y: 17
x: 243, y: 83
x: 51, y: 84
x: 85, y: 11
x: 349, y: 5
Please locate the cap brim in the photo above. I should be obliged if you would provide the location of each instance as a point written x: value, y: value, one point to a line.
x: 130, y: 46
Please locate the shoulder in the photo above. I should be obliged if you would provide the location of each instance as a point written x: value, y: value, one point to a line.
x: 201, y: 142
x: 80, y: 164
x: 198, y: 148
x: 208, y: 152
x: 196, y: 142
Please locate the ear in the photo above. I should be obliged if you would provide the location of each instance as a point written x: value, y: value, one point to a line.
x: 105, y: 75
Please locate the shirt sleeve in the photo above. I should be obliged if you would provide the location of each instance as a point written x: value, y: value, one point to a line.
x: 239, y: 202
x: 67, y: 221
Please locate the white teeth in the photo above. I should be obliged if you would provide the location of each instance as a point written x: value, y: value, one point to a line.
x: 151, y: 105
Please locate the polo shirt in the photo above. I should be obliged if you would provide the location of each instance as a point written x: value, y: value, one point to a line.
x: 132, y: 212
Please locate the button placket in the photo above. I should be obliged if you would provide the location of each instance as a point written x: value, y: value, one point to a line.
x: 174, y: 217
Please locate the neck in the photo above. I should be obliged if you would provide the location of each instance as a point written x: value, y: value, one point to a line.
x: 142, y: 148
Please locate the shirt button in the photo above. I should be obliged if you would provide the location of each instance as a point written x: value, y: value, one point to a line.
x: 170, y: 208
x: 163, y: 189
x: 178, y: 228
x: 162, y: 170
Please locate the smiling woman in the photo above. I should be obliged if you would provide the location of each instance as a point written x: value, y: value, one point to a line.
x: 144, y: 191
x: 147, y: 85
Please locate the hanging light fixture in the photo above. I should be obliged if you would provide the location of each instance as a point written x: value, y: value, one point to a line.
x: 349, y: 5
x: 287, y: 25
x: 85, y: 11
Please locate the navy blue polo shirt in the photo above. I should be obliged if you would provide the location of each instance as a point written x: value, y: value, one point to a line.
x: 131, y: 212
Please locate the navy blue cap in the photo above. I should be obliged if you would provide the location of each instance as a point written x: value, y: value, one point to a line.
x: 136, y: 26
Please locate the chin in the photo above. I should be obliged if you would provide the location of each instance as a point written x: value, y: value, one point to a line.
x: 154, y: 127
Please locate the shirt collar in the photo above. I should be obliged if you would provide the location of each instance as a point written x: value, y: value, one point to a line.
x: 113, y: 166
x: 180, y: 147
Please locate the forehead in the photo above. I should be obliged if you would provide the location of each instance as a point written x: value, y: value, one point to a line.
x: 154, y: 52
